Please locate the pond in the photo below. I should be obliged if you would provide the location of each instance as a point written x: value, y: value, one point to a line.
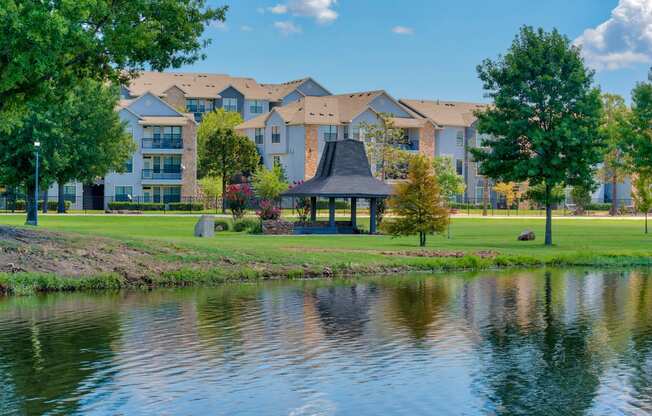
x: 543, y: 342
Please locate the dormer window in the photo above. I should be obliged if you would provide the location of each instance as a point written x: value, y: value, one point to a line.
x: 230, y: 104
x: 256, y: 107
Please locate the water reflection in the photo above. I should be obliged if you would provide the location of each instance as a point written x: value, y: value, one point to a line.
x: 536, y: 343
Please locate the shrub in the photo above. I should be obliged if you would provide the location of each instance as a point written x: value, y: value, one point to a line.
x: 237, y: 197
x: 245, y: 224
x: 136, y: 206
x: 21, y: 205
x: 268, y: 211
x: 269, y: 184
x: 598, y: 206
x: 185, y: 206
x: 256, y: 229
x: 222, y: 225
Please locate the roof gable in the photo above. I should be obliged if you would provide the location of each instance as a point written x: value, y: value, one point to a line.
x: 149, y: 104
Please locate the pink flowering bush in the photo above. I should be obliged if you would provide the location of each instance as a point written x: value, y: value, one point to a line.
x: 237, y: 198
x: 268, y: 211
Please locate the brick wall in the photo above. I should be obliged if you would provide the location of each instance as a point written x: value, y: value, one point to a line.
x: 189, y: 160
x: 427, y: 140
x: 312, y: 150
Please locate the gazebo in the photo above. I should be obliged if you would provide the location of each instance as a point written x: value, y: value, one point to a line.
x: 343, y: 172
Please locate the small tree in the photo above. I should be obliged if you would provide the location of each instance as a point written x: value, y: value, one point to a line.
x: 381, y: 142
x: 225, y: 153
x: 211, y: 189
x: 613, y: 128
x: 450, y: 183
x: 417, y: 203
x: 581, y: 196
x: 643, y: 194
x: 238, y: 197
x: 510, y: 191
x: 545, y: 116
x: 269, y: 184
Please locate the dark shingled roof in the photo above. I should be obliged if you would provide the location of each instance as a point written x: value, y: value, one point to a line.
x: 343, y: 172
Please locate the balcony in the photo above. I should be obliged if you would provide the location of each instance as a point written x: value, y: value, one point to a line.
x: 149, y: 174
x: 166, y: 142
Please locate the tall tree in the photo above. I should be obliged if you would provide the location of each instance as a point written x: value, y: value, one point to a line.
x: 382, y: 143
x: 216, y: 119
x: 417, y: 203
x: 637, y: 143
x: 643, y: 194
x: 61, y: 42
x: 225, y: 153
x: 613, y: 128
x: 545, y: 116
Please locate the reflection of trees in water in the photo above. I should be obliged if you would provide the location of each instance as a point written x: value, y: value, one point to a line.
x: 47, y: 357
x: 344, y: 310
x: 545, y: 368
x: 418, y: 303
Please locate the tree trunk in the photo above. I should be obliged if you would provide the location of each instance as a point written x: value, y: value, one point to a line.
x: 45, y: 201
x: 548, y: 241
x: 61, y: 201
x: 614, y: 195
x: 485, y: 196
x: 32, y: 204
x: 223, y: 194
x: 645, y: 222
x: 422, y: 239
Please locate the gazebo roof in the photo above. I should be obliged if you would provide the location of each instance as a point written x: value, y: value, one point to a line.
x: 343, y: 172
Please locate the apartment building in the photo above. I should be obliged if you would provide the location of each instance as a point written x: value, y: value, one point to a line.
x: 162, y: 169
x: 455, y: 135
x: 294, y: 134
x: 198, y: 93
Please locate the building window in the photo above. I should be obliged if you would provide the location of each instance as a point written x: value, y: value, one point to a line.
x: 256, y: 107
x: 70, y: 193
x: 129, y: 166
x: 230, y: 104
x: 330, y: 133
x: 276, y: 134
x: 276, y: 160
x: 123, y: 193
x: 345, y: 131
x: 460, y: 138
x: 459, y: 166
x: 479, y: 192
x: 171, y: 194
x: 259, y: 135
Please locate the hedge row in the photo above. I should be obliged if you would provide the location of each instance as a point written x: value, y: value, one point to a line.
x: 156, y: 206
x: 21, y: 205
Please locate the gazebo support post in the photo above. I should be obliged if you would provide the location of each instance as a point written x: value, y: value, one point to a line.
x: 372, y: 215
x: 331, y: 212
x: 313, y: 209
x: 354, y: 203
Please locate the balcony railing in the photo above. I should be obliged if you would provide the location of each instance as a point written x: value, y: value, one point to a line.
x: 150, y: 174
x: 162, y: 143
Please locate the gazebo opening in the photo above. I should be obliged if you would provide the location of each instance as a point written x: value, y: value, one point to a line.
x: 343, y: 172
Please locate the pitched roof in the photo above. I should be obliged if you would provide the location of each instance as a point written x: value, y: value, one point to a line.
x: 343, y: 172
x: 279, y: 91
x: 181, y: 119
x: 325, y: 110
x: 446, y: 113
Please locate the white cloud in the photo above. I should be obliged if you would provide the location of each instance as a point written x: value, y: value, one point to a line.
x: 287, y: 27
x: 623, y: 40
x: 278, y: 9
x: 220, y: 26
x: 403, y: 30
x: 246, y: 28
x: 320, y: 10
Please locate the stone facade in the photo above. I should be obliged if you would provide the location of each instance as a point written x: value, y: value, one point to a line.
x: 312, y: 151
x: 427, y: 140
x: 278, y: 227
x: 189, y: 160
x: 176, y: 98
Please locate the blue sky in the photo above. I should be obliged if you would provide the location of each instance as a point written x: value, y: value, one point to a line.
x: 421, y: 48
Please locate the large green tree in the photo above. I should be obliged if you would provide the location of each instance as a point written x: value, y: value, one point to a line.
x: 225, y: 153
x: 613, y: 128
x: 63, y: 41
x: 544, y: 118
x: 81, y: 138
x: 637, y: 143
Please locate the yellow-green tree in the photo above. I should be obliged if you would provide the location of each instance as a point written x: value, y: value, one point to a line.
x: 509, y: 190
x: 418, y: 203
x: 643, y: 194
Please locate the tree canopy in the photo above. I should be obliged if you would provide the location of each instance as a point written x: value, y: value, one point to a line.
x: 450, y: 183
x: 545, y: 116
x: 60, y: 42
x: 217, y: 119
x: 613, y: 127
x: 417, y: 203
x: 637, y: 143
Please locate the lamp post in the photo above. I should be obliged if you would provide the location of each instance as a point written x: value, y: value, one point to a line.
x: 34, y: 219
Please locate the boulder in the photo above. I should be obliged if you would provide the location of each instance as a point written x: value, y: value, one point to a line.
x: 527, y: 235
x: 205, y: 227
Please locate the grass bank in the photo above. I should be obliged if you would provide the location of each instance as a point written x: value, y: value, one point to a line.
x: 96, y: 252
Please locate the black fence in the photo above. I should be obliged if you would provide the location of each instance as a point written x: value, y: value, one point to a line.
x: 172, y: 204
